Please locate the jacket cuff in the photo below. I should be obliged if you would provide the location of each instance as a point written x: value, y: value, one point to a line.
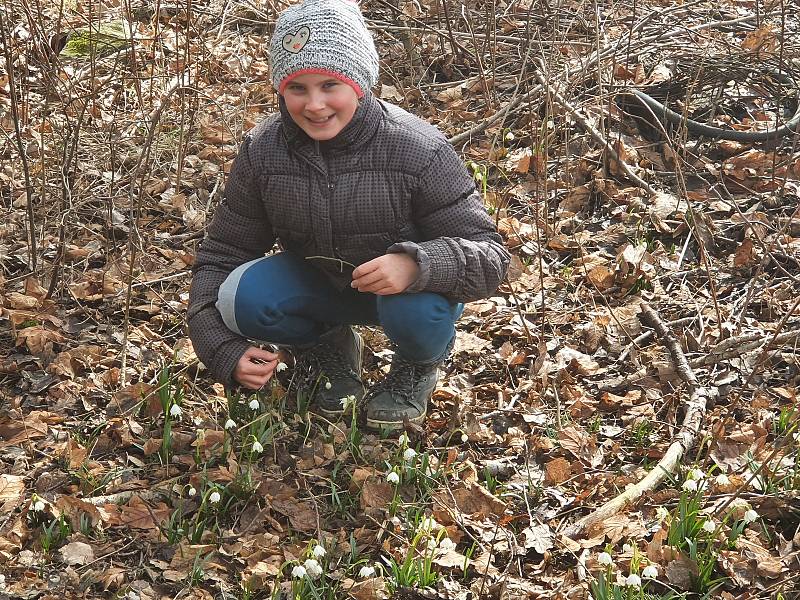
x: 225, y: 360
x: 438, y: 268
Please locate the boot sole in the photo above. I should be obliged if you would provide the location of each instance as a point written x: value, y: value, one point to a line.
x: 337, y: 414
x: 394, y: 425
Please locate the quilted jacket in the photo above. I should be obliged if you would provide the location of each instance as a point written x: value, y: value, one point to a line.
x: 388, y: 182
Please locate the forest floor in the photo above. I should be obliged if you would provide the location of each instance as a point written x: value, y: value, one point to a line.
x: 644, y: 343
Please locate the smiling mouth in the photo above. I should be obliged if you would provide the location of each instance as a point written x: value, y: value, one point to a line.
x: 320, y: 121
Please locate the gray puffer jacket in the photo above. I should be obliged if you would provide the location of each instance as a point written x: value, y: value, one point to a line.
x: 389, y: 182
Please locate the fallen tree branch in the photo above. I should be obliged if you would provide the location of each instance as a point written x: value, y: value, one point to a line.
x: 596, y: 135
x: 695, y: 406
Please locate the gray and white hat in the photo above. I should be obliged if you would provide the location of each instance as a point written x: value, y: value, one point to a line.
x: 326, y: 37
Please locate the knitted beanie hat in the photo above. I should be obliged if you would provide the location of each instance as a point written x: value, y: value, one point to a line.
x: 327, y: 37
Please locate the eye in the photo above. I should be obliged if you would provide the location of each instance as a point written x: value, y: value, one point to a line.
x: 330, y: 84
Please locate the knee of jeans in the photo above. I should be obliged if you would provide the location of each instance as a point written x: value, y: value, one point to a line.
x: 243, y: 305
x: 422, y: 311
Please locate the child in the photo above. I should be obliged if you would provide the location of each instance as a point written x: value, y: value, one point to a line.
x: 377, y: 219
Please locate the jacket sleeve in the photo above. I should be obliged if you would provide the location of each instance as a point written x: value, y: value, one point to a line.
x: 240, y: 231
x: 463, y: 256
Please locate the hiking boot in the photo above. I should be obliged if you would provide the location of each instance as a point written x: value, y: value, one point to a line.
x: 402, y: 395
x: 331, y: 370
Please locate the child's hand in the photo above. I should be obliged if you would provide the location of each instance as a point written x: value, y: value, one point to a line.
x: 255, y: 368
x: 385, y: 275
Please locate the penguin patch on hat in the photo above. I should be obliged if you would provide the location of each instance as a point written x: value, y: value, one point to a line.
x: 294, y: 42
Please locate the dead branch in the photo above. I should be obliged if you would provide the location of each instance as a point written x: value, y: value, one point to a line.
x: 695, y: 406
x: 589, y: 128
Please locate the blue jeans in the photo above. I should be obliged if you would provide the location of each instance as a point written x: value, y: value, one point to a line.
x: 281, y: 299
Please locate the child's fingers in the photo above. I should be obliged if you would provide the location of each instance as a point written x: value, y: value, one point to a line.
x: 261, y: 354
x: 367, y: 267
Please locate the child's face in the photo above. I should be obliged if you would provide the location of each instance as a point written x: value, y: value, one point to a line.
x: 320, y: 104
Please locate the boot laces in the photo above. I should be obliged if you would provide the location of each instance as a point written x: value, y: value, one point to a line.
x: 323, y: 359
x: 400, y: 380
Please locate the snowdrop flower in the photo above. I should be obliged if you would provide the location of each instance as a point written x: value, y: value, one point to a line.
x: 650, y: 572
x: 510, y: 136
x: 696, y: 474
x: 214, y: 498
x: 313, y: 568
x: 299, y: 572
x: 175, y: 411
x: 709, y: 526
x: 409, y: 454
x: 626, y: 548
x: 257, y: 447
x: 722, y: 479
x: 429, y: 524
x: 191, y: 492
x: 230, y: 424
x: 366, y: 571
x: 327, y: 385
x: 403, y: 440
x: 464, y: 438
x: 38, y: 505
x: 282, y: 366
x: 318, y: 551
x: 254, y: 405
x: 661, y: 513
x: 393, y: 478
x: 347, y: 401
x: 604, y: 558
x: 750, y: 516
x: 690, y: 485
x: 633, y: 580
x: 447, y: 544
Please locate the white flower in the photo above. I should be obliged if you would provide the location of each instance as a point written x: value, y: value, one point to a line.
x: 313, y: 568
x: 347, y: 401
x: 690, y: 485
x: 661, y: 513
x: 750, y: 516
x: 175, y: 411
x: 214, y: 497
x: 510, y: 137
x: 403, y: 440
x: 257, y: 447
x: 327, y: 385
x: 38, y: 506
x: 366, y: 571
x: 604, y: 558
x: 318, y: 551
x: 409, y: 454
x: 429, y: 524
x: 464, y: 438
x: 650, y: 572
x: 626, y: 548
x: 282, y: 366
x: 633, y: 580
x: 722, y: 479
x: 447, y: 544
x: 254, y: 405
x: 696, y: 474
x: 230, y: 424
x: 709, y: 526
x: 191, y: 491
x: 299, y: 572
x: 393, y: 478
x: 2, y: 582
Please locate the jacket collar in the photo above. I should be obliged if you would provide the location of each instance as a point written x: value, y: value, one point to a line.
x: 357, y: 132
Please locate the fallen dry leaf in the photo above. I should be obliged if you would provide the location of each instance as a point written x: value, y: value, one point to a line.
x: 77, y: 553
x: 11, y: 489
